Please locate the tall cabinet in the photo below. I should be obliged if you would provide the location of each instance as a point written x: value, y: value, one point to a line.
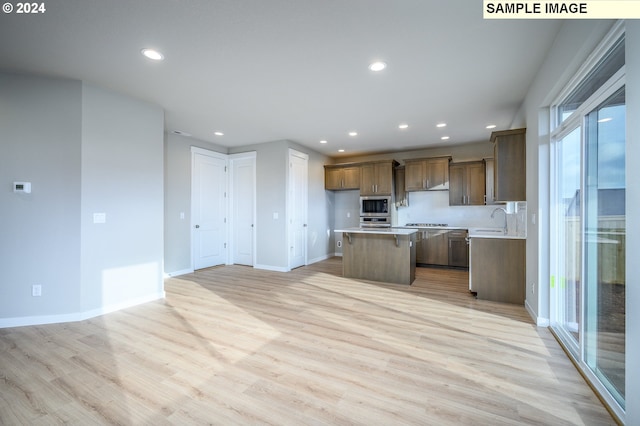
x: 509, y: 172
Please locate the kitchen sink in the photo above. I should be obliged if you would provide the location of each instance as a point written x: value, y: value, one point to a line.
x: 487, y: 231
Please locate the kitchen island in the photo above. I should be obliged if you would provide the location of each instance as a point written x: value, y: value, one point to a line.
x: 379, y: 254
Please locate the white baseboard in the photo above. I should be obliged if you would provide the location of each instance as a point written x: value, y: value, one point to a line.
x: 78, y: 316
x: 178, y: 273
x: 337, y: 254
x: 540, y: 321
x: 318, y: 259
x: 271, y: 268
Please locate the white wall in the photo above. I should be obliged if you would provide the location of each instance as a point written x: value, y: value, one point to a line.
x: 271, y: 185
x: 574, y: 43
x: 40, y: 137
x: 346, y: 214
x: 85, y: 150
x: 320, y: 209
x: 122, y: 176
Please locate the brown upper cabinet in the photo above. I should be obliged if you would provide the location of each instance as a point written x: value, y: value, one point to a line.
x: 427, y: 174
x: 341, y: 177
x: 467, y: 183
x: 376, y: 178
x: 509, y: 156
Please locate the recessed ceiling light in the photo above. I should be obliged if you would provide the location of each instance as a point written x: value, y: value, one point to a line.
x: 377, y: 66
x: 491, y: 126
x: 604, y: 120
x: 152, y: 54
x: 403, y: 126
x: 441, y: 125
x: 323, y: 141
x: 353, y: 133
x: 445, y: 138
x: 218, y: 133
x: 341, y: 150
x: 181, y: 133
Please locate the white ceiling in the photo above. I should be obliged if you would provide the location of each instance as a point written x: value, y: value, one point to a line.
x: 265, y: 70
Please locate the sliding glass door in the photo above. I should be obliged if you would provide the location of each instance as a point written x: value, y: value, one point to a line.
x: 588, y: 222
x: 568, y: 222
x: 605, y: 225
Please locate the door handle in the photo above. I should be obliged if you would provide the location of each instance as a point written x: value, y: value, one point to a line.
x: 197, y: 226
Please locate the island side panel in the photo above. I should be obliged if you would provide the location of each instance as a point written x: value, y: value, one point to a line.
x: 376, y: 257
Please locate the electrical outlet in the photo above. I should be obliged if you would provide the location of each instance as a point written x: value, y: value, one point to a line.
x: 36, y: 290
x: 339, y: 243
x: 533, y: 288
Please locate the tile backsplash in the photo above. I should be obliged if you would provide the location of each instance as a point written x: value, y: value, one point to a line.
x: 433, y: 207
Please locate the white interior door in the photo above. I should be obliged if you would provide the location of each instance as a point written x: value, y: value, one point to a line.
x: 208, y: 209
x: 297, y: 208
x: 243, y: 183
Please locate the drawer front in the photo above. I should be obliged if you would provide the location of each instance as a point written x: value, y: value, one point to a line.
x: 458, y: 234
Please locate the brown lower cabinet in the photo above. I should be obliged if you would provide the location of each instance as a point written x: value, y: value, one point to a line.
x: 458, y: 249
x: 442, y: 247
x: 432, y: 247
x: 497, y: 269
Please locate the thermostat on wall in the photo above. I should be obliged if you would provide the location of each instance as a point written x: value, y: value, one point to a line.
x: 22, y: 187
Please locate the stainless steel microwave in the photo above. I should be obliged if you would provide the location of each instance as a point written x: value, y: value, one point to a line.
x: 375, y: 206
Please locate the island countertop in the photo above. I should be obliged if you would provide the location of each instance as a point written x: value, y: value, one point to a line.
x: 381, y: 231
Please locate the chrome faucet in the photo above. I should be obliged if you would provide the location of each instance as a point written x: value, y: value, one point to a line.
x: 493, y: 213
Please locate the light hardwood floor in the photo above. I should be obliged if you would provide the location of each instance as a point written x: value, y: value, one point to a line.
x: 234, y: 345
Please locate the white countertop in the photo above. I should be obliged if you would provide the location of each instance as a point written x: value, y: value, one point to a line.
x: 482, y: 232
x: 451, y: 228
x: 487, y: 232
x: 393, y: 231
